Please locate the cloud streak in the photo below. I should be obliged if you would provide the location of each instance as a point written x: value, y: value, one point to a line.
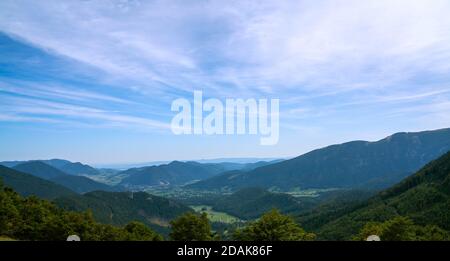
x: 287, y: 45
x: 24, y: 109
x: 342, y: 65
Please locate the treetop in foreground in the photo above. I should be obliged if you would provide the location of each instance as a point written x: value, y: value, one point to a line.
x: 273, y: 226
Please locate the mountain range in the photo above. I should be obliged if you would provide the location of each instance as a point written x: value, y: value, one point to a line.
x: 125, y: 166
x: 79, y: 184
x: 410, y: 171
x: 73, y: 168
x: 180, y: 173
x: 424, y: 197
x: 27, y: 185
x: 348, y: 165
x: 116, y: 208
x: 83, y: 178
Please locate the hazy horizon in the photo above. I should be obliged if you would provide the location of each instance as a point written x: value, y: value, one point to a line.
x: 248, y: 159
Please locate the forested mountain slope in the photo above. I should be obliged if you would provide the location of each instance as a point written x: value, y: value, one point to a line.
x: 348, y: 165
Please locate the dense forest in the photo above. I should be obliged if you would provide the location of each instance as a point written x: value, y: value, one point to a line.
x: 424, y: 198
x: 251, y: 203
x: 119, y: 208
x: 31, y: 218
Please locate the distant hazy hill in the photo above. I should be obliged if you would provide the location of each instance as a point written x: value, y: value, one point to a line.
x: 119, y: 208
x: 424, y: 197
x: 79, y: 169
x: 39, y: 169
x: 229, y: 166
x: 11, y: 164
x: 352, y: 164
x: 56, y: 163
x: 251, y: 203
x: 238, y: 161
x: 174, y: 173
x: 72, y: 168
x: 78, y: 184
x: 179, y: 173
x: 26, y: 184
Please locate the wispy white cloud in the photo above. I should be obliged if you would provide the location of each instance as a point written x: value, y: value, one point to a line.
x: 287, y: 45
x: 317, y: 57
x: 57, y: 91
x: 23, y: 109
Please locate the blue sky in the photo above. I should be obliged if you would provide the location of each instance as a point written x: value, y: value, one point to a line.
x: 93, y: 81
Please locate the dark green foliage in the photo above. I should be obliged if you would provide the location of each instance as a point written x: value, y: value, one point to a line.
x: 333, y: 205
x: 35, y: 219
x: 191, y: 227
x: 273, y: 226
x: 140, y: 232
x: 251, y: 203
x: 353, y: 164
x: 119, y: 208
x: 27, y: 185
x: 424, y: 198
x: 402, y: 229
x: 225, y: 231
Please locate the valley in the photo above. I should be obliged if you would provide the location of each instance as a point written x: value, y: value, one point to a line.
x: 332, y: 192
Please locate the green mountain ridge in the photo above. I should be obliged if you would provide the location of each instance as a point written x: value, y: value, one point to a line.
x: 32, y: 218
x: 424, y: 197
x: 56, y: 163
x: 348, y: 165
x: 174, y: 173
x: 39, y: 169
x: 179, y: 173
x: 82, y: 184
x: 251, y: 203
x: 79, y: 184
x: 78, y: 169
x: 120, y: 208
x: 27, y: 185
x: 72, y: 168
